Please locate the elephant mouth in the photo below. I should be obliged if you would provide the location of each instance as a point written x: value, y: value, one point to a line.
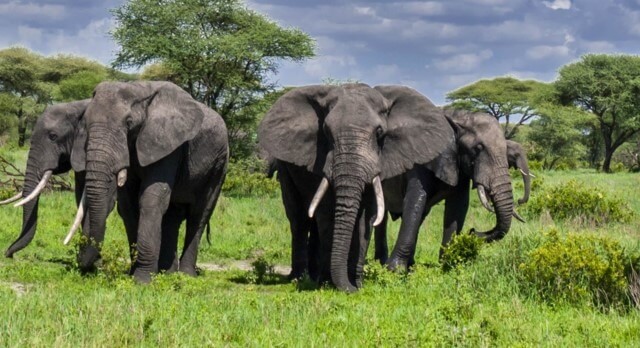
x: 377, y: 189
x: 482, y: 195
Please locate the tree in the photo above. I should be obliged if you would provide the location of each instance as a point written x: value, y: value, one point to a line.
x: 25, y: 93
x: 608, y: 86
x: 218, y: 50
x: 504, y: 98
x: 557, y: 134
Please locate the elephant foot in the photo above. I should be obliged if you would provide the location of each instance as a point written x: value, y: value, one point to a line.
x: 188, y: 270
x: 398, y: 265
x: 349, y: 288
x: 141, y: 277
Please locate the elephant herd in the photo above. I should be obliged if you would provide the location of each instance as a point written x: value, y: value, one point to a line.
x: 347, y: 157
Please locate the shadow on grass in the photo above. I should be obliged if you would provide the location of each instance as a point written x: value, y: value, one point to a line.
x: 267, y: 279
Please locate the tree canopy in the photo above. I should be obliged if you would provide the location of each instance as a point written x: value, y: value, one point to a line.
x: 219, y: 51
x: 506, y: 98
x: 608, y: 86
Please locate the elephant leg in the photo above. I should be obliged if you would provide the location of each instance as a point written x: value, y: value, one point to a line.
x: 171, y: 222
x: 299, y: 223
x: 380, y: 239
x: 414, y: 210
x: 313, y: 251
x: 197, y: 220
x: 455, y: 212
x: 129, y: 211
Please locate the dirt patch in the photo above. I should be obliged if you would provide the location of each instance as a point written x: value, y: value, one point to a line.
x: 19, y: 289
x: 242, y: 265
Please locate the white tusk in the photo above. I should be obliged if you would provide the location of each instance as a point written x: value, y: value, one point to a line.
x: 122, y: 177
x: 377, y: 188
x: 523, y: 173
x: 12, y: 199
x: 322, y: 189
x: 78, y: 219
x: 518, y: 217
x: 483, y: 199
x: 36, y: 191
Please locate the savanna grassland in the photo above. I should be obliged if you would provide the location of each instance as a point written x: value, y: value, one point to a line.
x: 488, y: 301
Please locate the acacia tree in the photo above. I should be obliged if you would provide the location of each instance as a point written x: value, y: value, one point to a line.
x: 503, y: 97
x: 218, y: 50
x: 608, y: 86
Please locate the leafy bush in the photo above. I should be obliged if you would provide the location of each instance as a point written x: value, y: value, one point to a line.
x: 248, y: 178
x: 462, y: 249
x: 577, y: 268
x: 572, y: 200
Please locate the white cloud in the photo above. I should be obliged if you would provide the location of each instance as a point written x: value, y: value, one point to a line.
x: 421, y: 8
x: 29, y: 35
x: 18, y: 9
x: 598, y: 46
x: 325, y: 66
x: 386, y: 72
x: 544, y: 51
x: 366, y: 11
x: 558, y: 4
x: 463, y: 62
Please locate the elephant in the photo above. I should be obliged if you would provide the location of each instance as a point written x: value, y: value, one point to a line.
x: 349, y: 138
x: 166, y: 155
x: 57, y: 146
x: 480, y: 158
x: 517, y: 158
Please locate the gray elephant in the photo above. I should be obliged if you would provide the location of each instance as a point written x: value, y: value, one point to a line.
x: 166, y: 155
x: 57, y: 146
x: 517, y: 158
x: 479, y: 157
x: 349, y: 138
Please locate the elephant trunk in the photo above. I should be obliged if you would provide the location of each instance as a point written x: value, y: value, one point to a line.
x: 29, y: 210
x: 502, y: 199
x: 100, y: 186
x: 349, y: 186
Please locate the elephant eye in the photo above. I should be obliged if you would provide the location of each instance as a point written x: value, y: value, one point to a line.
x: 379, y: 133
x: 479, y: 148
x: 129, y: 122
x: 53, y: 136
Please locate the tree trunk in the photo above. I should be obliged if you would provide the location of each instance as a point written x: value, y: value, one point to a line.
x: 22, y: 128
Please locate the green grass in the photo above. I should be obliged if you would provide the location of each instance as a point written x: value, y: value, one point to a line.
x: 478, y: 304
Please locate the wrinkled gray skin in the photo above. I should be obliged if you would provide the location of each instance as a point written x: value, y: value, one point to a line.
x: 481, y: 156
x: 175, y: 151
x: 517, y: 158
x: 57, y: 144
x: 349, y: 135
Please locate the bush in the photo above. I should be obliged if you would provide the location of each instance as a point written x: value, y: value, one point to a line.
x: 572, y: 200
x: 462, y: 249
x: 247, y: 179
x: 577, y: 268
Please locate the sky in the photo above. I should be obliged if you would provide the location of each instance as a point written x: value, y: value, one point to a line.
x: 432, y: 46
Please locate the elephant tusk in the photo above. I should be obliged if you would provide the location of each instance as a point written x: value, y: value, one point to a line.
x: 377, y: 188
x: 78, y: 220
x: 12, y: 199
x: 518, y: 217
x: 122, y: 177
x: 322, y: 189
x: 529, y: 174
x: 483, y: 199
x: 37, y: 190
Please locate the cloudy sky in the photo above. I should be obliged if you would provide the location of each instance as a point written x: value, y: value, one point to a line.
x: 433, y: 46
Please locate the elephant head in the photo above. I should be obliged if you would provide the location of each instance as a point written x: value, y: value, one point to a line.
x: 130, y: 125
x: 517, y: 158
x: 57, y: 145
x: 353, y: 136
x: 482, y: 156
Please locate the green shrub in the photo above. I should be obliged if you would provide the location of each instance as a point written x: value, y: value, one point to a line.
x: 577, y: 268
x: 462, y: 249
x: 247, y: 179
x: 572, y: 200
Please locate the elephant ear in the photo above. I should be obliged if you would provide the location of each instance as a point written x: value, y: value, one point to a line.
x: 292, y: 129
x: 417, y: 133
x: 173, y: 118
x: 78, y: 153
